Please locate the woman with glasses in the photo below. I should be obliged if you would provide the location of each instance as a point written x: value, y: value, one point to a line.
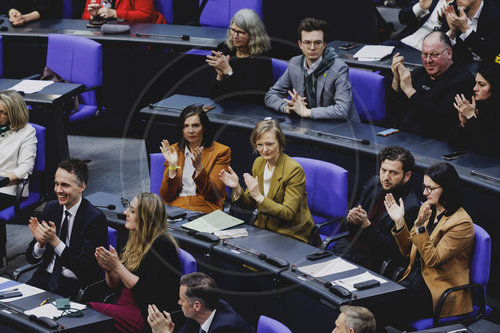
x: 479, y: 118
x: 191, y: 178
x: 146, y: 271
x: 243, y: 71
x: 439, y: 245
x: 277, y: 186
x: 17, y: 146
x: 128, y: 10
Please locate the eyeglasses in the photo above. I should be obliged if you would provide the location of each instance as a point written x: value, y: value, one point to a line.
x: 308, y: 43
x: 239, y: 33
x: 433, y: 55
x: 267, y: 145
x: 429, y: 188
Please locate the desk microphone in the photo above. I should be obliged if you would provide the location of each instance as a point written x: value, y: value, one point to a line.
x: 115, y: 28
x: 337, y: 136
x: 109, y: 207
x: 4, y: 29
x: 183, y: 37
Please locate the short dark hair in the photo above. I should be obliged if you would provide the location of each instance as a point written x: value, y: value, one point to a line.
x: 77, y: 167
x: 443, y: 37
x: 312, y: 24
x: 193, y: 110
x: 201, y: 287
x: 445, y: 175
x: 397, y: 153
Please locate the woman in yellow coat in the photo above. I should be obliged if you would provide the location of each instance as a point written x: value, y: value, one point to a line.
x: 277, y: 187
x: 439, y: 245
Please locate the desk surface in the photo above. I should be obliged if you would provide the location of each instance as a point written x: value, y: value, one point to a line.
x: 473, y: 169
x: 147, y: 33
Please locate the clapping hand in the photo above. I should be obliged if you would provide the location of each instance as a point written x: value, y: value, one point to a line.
x: 108, y: 260
x: 253, y: 187
x: 422, y: 217
x: 395, y: 211
x: 169, y: 153
x: 231, y: 180
x: 358, y: 216
x: 160, y: 323
x: 457, y: 23
x: 465, y: 109
x: 41, y: 231
x: 220, y: 62
x: 197, y: 159
x: 397, y: 61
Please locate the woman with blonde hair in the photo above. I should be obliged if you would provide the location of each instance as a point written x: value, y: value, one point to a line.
x: 148, y: 269
x: 244, y: 72
x: 17, y: 146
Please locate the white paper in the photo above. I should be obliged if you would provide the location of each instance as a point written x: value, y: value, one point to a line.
x: 25, y: 289
x: 231, y: 233
x: 349, y: 282
x: 49, y: 310
x: 373, y: 52
x: 31, y: 86
x: 337, y: 265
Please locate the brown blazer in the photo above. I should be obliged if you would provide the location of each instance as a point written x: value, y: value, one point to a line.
x: 284, y: 209
x: 210, y: 190
x: 445, y: 257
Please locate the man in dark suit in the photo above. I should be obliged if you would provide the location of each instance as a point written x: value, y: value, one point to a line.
x: 200, y: 303
x: 371, y: 241
x: 66, y: 239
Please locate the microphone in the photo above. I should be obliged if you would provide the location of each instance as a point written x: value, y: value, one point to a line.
x: 183, y: 37
x: 115, y: 28
x: 110, y: 207
x: 337, y: 136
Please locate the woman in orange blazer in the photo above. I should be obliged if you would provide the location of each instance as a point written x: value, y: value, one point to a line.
x: 192, y: 166
x: 129, y: 10
x: 439, y: 245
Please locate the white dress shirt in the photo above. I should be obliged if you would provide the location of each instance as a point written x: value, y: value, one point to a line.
x: 39, y: 251
x: 311, y: 68
x: 188, y: 184
x: 472, y: 23
x: 206, y: 325
x: 17, y: 155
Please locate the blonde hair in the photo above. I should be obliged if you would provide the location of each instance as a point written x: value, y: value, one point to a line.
x: 16, y: 108
x: 250, y: 22
x: 266, y: 126
x: 151, y: 224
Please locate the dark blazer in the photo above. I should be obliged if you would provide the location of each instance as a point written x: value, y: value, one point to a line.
x: 407, y: 17
x: 226, y: 320
x: 376, y: 242
x: 89, y: 231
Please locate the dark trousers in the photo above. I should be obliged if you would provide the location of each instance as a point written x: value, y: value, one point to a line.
x: 67, y: 287
x: 6, y: 201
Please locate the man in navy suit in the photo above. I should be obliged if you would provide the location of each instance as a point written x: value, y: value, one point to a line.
x: 66, y: 239
x: 200, y: 303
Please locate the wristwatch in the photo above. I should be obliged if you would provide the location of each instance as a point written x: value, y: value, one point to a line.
x: 421, y: 230
x: 228, y: 75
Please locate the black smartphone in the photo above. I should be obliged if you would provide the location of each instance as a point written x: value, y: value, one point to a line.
x: 319, y: 255
x: 10, y: 294
x: 348, y: 46
x: 454, y: 155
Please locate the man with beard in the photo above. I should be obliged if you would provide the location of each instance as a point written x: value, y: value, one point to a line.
x: 371, y: 241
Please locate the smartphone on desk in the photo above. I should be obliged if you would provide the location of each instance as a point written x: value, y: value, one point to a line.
x: 454, y: 155
x: 388, y: 132
x: 348, y: 46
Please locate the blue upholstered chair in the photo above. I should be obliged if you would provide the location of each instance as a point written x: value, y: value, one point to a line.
x: 166, y: 8
x: 78, y: 60
x: 156, y: 170
x: 1, y: 56
x: 67, y: 9
x: 368, y: 93
x: 269, y: 325
x: 37, y: 192
x: 188, y: 263
x: 218, y: 13
x: 326, y: 186
x: 479, y: 276
x: 279, y: 67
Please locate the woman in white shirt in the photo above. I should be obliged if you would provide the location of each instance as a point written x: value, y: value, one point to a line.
x: 17, y: 145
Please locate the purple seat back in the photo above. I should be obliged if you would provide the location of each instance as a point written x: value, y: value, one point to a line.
x: 166, y: 8
x: 368, y: 93
x: 1, y: 56
x: 326, y: 186
x: 218, y: 13
x: 269, y: 325
x: 279, y: 67
x: 77, y: 60
x: 112, y: 234
x: 156, y: 170
x: 188, y: 263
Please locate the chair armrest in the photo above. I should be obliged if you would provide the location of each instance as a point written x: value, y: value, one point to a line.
x: 444, y: 295
x: 33, y: 77
x: 334, y: 238
x: 317, y: 227
x: 23, y: 269
x: 393, y: 267
x: 95, y: 291
x: 21, y: 184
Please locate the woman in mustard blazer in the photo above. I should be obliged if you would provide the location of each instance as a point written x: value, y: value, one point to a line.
x: 191, y: 179
x: 439, y: 245
x: 277, y: 187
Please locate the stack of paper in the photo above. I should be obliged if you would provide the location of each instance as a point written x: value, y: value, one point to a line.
x: 49, y: 310
x: 215, y: 221
x: 349, y: 282
x: 31, y: 86
x: 233, y: 233
x: 373, y: 52
x: 337, y: 265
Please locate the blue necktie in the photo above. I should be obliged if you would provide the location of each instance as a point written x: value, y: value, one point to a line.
x: 57, y: 270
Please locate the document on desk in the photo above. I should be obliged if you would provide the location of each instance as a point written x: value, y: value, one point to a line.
x: 349, y: 282
x: 50, y: 310
x: 333, y: 266
x: 6, y: 283
x: 24, y: 289
x: 373, y: 52
x: 215, y: 221
x: 31, y: 86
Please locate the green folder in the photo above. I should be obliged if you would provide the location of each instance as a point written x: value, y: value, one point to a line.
x: 215, y: 221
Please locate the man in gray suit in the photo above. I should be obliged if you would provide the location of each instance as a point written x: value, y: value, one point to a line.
x: 317, y: 81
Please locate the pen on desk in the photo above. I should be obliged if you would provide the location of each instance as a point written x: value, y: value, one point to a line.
x: 45, y: 301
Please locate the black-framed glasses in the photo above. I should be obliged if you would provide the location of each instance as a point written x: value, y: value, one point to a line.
x: 316, y: 43
x: 239, y: 33
x: 433, y: 55
x: 429, y: 188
